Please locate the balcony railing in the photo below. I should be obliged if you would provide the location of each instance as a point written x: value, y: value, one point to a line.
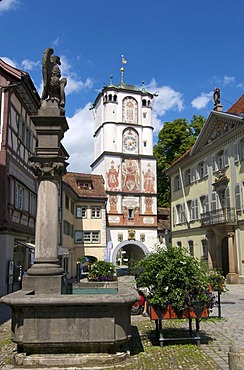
x: 219, y: 216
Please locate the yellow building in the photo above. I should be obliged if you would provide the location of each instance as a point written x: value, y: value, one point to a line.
x: 207, y: 193
x: 83, y: 229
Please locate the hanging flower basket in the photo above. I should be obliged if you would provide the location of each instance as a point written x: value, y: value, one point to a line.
x: 217, y: 282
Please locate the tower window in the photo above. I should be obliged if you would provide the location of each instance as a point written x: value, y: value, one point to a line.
x: 144, y: 103
x: 115, y: 98
x: 130, y: 108
x: 110, y: 97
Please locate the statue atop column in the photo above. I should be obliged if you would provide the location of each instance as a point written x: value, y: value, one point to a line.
x: 53, y: 84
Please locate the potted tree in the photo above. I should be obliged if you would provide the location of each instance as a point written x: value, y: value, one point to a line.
x: 177, y: 287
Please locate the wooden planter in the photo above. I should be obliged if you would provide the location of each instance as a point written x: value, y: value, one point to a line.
x: 211, y: 289
x: 157, y: 313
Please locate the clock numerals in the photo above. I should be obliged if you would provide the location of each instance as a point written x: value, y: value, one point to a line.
x: 130, y: 143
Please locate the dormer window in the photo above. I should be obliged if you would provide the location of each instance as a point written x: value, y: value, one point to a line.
x: 85, y: 185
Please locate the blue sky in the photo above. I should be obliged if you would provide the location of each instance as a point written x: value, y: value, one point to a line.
x: 180, y: 49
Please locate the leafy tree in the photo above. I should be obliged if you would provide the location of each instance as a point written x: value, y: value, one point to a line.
x: 174, y: 139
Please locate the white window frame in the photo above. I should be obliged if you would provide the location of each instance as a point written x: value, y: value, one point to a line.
x: 19, y: 196
x: 81, y: 212
x: 91, y: 237
x: 188, y: 176
x: 204, y: 203
x: 96, y: 212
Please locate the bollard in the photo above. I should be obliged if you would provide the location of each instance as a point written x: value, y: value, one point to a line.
x: 236, y: 357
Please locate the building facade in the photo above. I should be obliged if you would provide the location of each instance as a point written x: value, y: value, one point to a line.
x: 18, y: 102
x: 207, y: 197
x: 83, y: 226
x: 123, y: 155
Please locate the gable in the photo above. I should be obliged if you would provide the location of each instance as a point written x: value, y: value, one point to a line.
x: 218, y: 125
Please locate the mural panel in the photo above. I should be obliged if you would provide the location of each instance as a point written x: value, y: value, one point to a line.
x: 130, y: 175
x: 112, y: 176
x: 149, y: 180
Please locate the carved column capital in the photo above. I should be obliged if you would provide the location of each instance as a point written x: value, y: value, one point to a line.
x: 48, y: 168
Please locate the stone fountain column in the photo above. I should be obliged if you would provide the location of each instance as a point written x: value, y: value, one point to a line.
x: 48, y: 164
x: 52, y: 328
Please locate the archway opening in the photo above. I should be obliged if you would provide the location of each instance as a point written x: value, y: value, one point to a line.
x: 127, y: 256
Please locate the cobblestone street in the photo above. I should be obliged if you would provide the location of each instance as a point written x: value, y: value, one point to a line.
x: 218, y: 335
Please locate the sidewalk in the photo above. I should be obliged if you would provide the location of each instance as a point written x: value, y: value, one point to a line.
x: 221, y: 334
x: 230, y: 329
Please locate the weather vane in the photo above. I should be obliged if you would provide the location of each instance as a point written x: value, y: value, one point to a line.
x: 122, y: 68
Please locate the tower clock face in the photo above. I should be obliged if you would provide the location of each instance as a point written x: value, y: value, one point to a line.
x: 130, y: 141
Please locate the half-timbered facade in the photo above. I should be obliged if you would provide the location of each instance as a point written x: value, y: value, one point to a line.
x: 18, y: 188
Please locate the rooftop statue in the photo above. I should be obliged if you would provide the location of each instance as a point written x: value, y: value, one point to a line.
x: 53, y: 84
x: 216, y: 96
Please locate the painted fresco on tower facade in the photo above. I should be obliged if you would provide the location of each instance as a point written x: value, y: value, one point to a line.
x: 130, y: 175
x: 112, y: 176
x: 149, y: 180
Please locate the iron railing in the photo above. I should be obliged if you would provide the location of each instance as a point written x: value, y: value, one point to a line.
x: 219, y: 216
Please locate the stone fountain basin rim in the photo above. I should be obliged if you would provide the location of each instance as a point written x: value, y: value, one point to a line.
x: 27, y: 298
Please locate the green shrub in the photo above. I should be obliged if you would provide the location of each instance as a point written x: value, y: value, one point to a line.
x: 102, y: 271
x: 175, y: 278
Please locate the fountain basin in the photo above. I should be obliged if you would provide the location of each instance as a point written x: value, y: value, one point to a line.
x: 66, y: 323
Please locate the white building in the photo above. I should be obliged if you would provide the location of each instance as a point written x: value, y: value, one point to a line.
x: 123, y: 155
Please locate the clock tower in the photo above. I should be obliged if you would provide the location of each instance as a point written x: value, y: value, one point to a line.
x: 123, y: 155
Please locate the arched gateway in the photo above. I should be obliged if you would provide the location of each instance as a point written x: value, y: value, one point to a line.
x: 134, y: 249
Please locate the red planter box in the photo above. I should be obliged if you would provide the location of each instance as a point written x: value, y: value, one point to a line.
x: 156, y: 313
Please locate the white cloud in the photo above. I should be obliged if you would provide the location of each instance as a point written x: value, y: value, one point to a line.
x: 74, y: 84
x: 77, y: 85
x: 9, y: 61
x: 56, y: 42
x: 6, y: 5
x: 29, y: 64
x: 78, y: 140
x: 229, y: 80
x: 202, y: 101
x: 167, y: 99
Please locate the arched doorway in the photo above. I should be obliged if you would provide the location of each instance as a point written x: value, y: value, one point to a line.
x: 225, y: 256
x: 130, y: 251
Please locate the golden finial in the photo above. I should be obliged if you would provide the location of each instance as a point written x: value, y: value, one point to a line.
x: 123, y: 59
x: 122, y: 68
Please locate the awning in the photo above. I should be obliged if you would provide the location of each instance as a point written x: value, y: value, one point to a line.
x: 25, y: 244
